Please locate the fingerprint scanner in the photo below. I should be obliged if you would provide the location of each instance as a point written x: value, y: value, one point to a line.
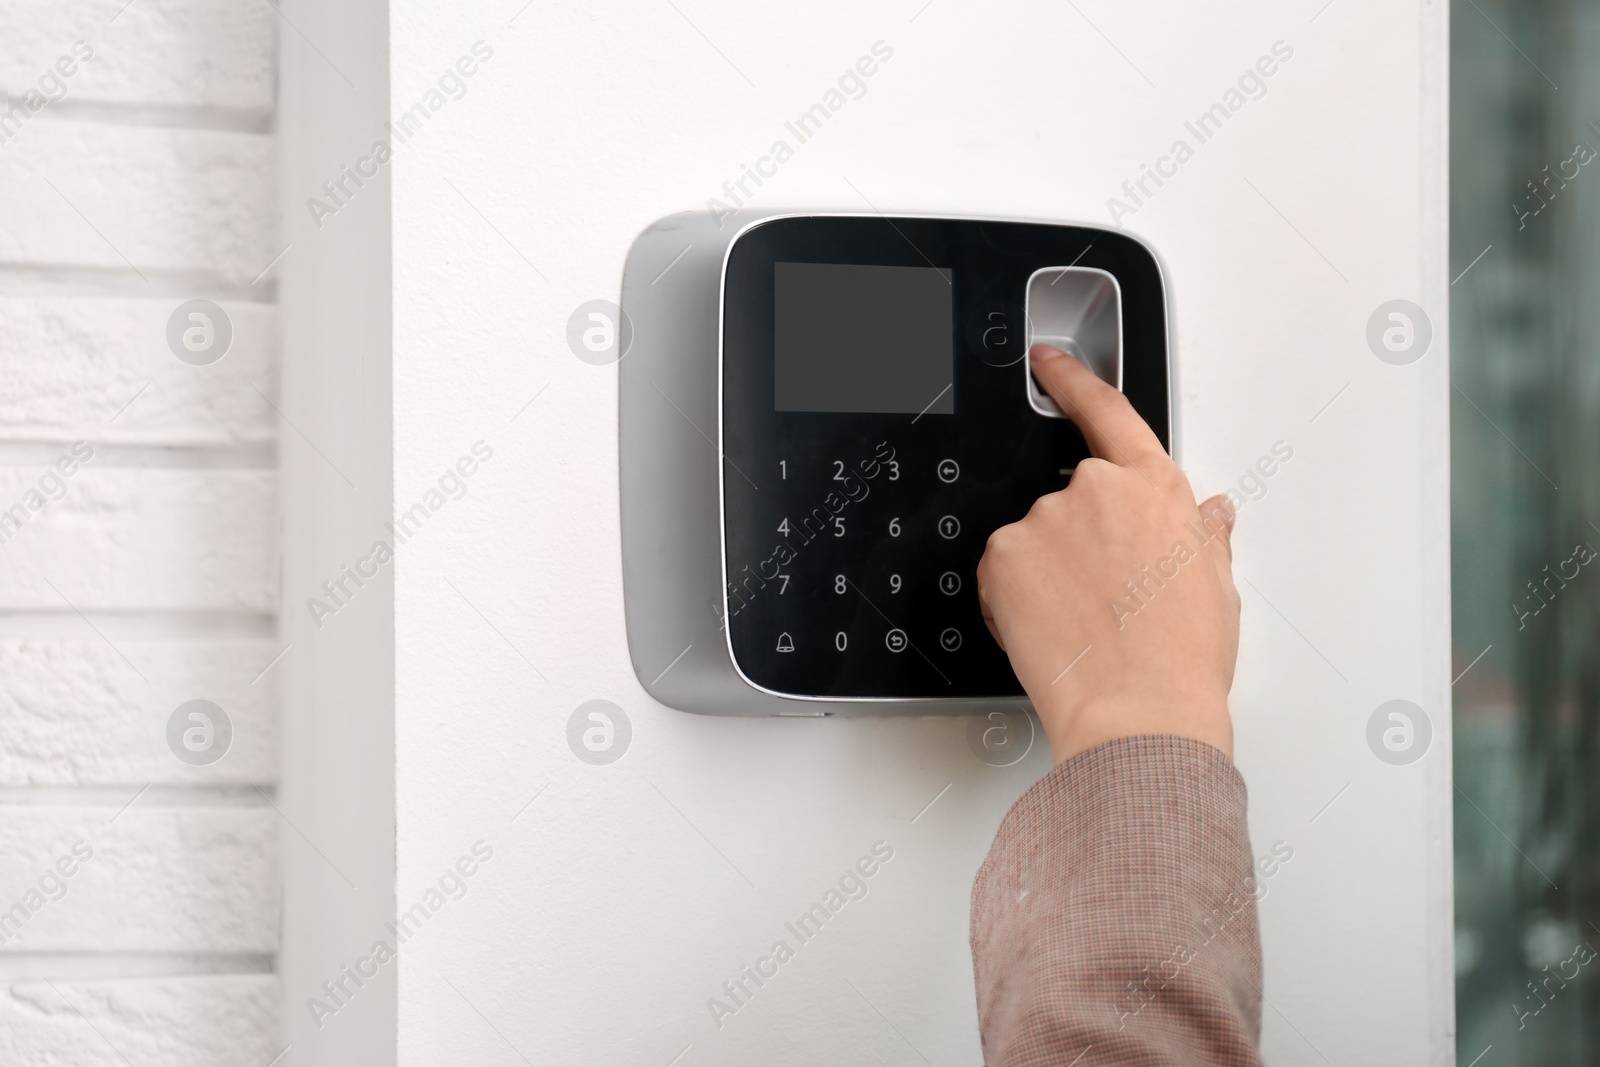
x: 1078, y: 310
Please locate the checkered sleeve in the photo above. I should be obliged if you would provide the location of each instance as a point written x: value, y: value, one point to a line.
x: 1114, y: 919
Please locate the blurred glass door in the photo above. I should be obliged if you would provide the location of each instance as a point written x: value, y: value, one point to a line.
x: 1525, y: 456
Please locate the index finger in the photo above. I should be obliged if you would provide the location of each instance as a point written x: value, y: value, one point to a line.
x: 1115, y: 432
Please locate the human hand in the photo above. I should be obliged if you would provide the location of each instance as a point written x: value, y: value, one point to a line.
x: 1114, y: 597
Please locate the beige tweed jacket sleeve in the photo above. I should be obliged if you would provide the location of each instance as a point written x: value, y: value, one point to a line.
x: 1114, y: 920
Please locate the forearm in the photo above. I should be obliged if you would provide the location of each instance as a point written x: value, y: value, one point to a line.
x: 1115, y: 914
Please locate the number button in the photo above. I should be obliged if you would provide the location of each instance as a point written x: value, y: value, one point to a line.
x: 949, y: 527
x: 949, y: 470
x: 896, y: 640
x: 950, y: 639
x: 949, y: 583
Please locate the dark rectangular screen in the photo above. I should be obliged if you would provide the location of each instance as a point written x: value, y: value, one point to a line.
x: 852, y: 337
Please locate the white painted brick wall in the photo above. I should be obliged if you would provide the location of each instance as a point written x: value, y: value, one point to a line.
x: 160, y: 879
x: 74, y: 712
x: 153, y: 579
x: 130, y: 539
x: 109, y: 351
x: 204, y: 198
x: 225, y: 1021
x: 191, y: 53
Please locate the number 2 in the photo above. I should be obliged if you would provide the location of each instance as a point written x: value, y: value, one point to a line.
x: 838, y: 474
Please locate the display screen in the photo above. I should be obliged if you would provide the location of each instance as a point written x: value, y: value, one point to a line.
x: 853, y: 337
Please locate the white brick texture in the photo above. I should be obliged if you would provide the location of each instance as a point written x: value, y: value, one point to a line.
x: 101, y: 197
x: 159, y: 879
x: 222, y: 1021
x: 131, y: 539
x: 175, y: 53
x: 100, y: 369
x: 147, y: 576
x: 77, y: 713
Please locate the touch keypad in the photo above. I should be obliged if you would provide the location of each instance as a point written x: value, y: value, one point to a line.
x: 852, y: 538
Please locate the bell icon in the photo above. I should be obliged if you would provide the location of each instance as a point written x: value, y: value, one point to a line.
x: 785, y: 643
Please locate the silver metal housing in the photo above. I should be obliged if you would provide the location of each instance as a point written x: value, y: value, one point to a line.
x: 670, y: 459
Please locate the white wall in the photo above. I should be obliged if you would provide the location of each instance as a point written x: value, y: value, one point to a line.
x: 152, y: 580
x: 619, y: 898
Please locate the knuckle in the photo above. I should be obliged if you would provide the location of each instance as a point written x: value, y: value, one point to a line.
x: 1051, y: 505
x: 1093, y: 470
x: 997, y: 547
x: 1174, y: 481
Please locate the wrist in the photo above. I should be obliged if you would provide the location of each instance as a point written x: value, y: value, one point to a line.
x: 1074, y: 727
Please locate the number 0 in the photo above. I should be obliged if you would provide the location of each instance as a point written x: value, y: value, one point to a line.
x: 840, y: 641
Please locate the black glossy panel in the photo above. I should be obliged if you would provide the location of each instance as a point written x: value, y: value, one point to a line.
x: 839, y: 542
